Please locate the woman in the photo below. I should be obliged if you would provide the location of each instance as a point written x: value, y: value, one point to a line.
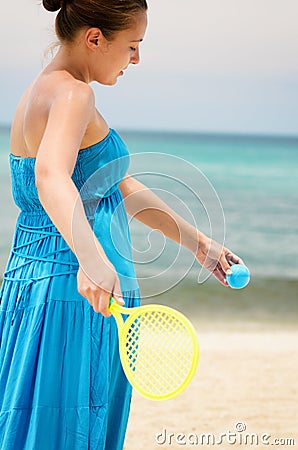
x: 61, y: 382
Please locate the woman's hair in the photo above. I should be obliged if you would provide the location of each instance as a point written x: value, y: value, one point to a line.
x: 110, y: 16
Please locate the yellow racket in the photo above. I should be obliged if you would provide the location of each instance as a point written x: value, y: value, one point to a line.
x: 158, y: 348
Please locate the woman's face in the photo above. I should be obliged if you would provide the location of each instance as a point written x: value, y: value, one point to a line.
x: 116, y: 55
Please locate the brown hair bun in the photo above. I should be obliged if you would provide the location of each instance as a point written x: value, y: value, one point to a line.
x: 52, y: 5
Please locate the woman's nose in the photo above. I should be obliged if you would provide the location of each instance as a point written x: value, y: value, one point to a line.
x: 135, y: 59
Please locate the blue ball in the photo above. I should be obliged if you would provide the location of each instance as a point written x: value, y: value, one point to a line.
x: 240, y: 276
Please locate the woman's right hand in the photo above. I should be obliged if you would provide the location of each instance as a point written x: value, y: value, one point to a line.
x: 98, y: 295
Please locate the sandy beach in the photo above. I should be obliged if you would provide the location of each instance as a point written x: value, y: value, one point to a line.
x: 246, y: 384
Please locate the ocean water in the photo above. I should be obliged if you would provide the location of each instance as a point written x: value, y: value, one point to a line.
x: 241, y: 190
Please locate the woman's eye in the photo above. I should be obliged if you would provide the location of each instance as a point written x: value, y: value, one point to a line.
x: 133, y: 49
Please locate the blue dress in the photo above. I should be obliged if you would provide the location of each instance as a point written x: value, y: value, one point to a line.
x: 61, y: 382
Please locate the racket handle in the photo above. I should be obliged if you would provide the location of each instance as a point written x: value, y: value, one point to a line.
x: 116, y: 308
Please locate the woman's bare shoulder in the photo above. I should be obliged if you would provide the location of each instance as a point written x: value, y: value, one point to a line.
x: 49, y: 92
x: 58, y: 85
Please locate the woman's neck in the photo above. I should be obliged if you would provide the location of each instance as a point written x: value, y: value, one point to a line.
x: 72, y: 60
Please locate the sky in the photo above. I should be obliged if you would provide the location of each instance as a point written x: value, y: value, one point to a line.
x: 216, y: 66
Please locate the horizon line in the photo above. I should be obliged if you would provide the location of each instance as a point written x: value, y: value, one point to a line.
x: 200, y: 133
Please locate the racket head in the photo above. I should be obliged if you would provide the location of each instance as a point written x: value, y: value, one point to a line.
x: 159, y: 351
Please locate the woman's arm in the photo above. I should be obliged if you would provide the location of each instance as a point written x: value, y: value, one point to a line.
x: 142, y: 204
x: 68, y: 118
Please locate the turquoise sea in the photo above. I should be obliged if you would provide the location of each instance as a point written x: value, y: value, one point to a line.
x: 242, y: 189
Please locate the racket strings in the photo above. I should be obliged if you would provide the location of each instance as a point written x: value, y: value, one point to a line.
x: 159, y: 352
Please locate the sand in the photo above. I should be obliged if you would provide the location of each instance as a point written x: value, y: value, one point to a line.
x: 247, y: 379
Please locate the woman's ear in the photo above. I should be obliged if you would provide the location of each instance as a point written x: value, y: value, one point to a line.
x: 94, y: 38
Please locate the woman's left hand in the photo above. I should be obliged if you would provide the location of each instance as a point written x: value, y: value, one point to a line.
x: 216, y: 258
